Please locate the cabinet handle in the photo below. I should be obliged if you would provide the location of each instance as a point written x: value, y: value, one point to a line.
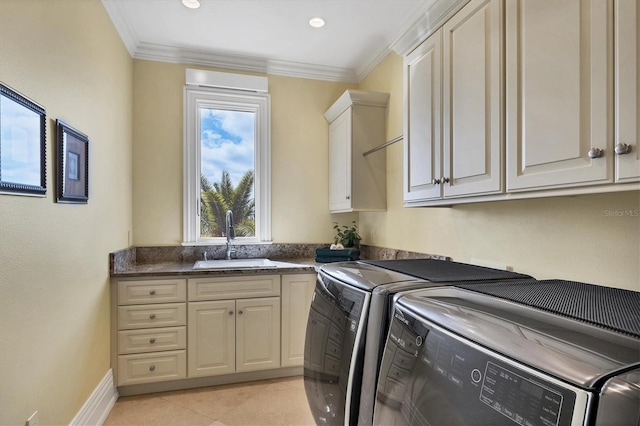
x: 623, y: 148
x: 239, y: 312
x: 596, y: 153
x: 445, y: 180
x: 348, y: 197
x: 230, y: 312
x: 152, y: 292
x: 152, y: 316
x: 152, y: 340
x: 152, y: 368
x: 435, y: 181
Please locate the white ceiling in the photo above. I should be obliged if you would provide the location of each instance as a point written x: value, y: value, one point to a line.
x: 270, y: 36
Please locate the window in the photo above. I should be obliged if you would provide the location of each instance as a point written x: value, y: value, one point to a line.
x: 226, y: 163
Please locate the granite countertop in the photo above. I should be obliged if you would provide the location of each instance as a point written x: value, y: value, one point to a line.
x: 179, y: 260
x: 284, y: 266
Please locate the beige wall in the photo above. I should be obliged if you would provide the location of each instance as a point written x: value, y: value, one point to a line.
x: 572, y: 238
x: 54, y: 290
x: 299, y: 132
x: 567, y: 237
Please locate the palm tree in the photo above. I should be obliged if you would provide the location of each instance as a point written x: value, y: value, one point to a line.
x: 221, y: 196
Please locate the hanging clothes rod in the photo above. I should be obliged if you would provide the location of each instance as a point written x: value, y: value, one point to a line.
x: 384, y: 145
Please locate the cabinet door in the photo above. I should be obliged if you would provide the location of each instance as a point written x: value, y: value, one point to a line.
x: 422, y: 113
x: 472, y: 100
x: 257, y: 334
x: 340, y: 162
x: 627, y: 95
x: 297, y: 291
x: 211, y: 338
x: 558, y: 97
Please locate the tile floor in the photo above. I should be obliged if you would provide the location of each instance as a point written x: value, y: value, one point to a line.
x: 266, y: 402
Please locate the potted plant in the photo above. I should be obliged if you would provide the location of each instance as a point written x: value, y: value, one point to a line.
x: 345, y: 248
x: 347, y: 235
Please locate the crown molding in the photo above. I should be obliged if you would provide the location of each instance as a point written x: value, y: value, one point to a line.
x: 161, y: 53
x: 124, y: 29
x: 355, y: 97
x: 430, y: 16
x: 436, y: 13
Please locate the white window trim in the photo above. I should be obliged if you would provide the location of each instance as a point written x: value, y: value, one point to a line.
x: 260, y: 103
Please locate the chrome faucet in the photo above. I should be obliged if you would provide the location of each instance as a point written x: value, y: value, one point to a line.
x: 230, y: 233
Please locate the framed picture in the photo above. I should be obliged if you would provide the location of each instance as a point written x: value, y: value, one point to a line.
x: 22, y: 145
x: 73, y: 164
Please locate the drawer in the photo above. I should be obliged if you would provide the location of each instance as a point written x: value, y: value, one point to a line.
x: 151, y: 291
x: 154, y: 367
x: 152, y: 340
x: 220, y: 288
x: 147, y: 316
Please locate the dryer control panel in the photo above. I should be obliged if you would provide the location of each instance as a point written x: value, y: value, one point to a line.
x: 431, y: 376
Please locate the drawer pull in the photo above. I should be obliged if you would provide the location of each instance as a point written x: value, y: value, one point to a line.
x: 152, y: 316
x: 152, y: 368
x: 152, y: 292
x: 152, y: 340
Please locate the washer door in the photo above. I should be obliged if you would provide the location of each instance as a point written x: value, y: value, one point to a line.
x: 333, y: 351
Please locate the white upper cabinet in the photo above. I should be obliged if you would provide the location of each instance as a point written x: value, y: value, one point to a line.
x: 514, y: 99
x: 627, y: 91
x: 472, y: 100
x: 422, y: 125
x: 357, y: 123
x: 558, y: 93
x: 453, y: 108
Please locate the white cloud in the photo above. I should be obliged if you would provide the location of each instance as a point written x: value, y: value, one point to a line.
x: 227, y: 143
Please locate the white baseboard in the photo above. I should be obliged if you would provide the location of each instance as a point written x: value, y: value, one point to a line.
x: 96, y: 409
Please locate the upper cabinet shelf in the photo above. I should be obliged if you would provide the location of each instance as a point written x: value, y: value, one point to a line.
x: 357, y: 123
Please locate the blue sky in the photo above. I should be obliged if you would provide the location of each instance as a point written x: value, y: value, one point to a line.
x: 227, y: 143
x: 20, y: 141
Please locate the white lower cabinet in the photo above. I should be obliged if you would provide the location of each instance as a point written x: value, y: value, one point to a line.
x: 229, y: 336
x: 212, y: 337
x: 297, y: 291
x: 257, y: 334
x: 153, y: 367
x: 149, y: 331
x: 228, y: 330
x: 168, y: 329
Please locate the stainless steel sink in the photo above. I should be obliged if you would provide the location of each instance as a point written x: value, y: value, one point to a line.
x: 235, y: 264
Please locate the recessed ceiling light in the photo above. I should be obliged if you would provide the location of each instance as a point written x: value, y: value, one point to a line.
x: 191, y: 4
x: 316, y: 22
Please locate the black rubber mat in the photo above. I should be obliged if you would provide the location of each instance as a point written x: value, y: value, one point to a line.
x: 611, y: 308
x: 439, y: 271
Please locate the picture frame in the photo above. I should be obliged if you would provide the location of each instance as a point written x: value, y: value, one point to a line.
x: 72, y: 165
x: 22, y: 144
